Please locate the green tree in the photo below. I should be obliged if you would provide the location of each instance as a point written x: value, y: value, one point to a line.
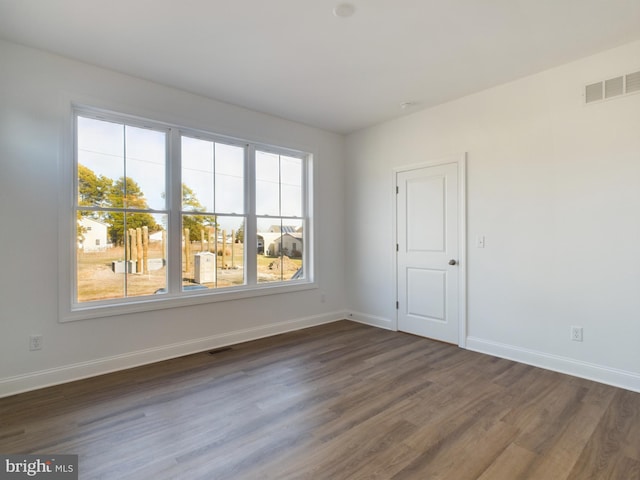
x: 240, y: 234
x: 92, y: 192
x: 93, y: 189
x: 127, y: 194
x: 195, y: 223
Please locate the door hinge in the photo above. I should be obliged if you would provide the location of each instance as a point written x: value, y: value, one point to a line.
x: 397, y: 305
x: 397, y: 247
x: 397, y: 189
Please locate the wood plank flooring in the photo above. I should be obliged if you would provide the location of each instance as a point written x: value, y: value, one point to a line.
x: 340, y: 401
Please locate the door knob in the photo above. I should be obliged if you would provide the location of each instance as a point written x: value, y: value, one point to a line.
x: 452, y: 262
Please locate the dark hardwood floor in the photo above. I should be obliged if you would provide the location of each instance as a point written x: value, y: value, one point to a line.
x: 340, y: 401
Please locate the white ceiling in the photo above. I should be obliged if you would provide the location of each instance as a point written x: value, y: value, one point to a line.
x: 295, y: 59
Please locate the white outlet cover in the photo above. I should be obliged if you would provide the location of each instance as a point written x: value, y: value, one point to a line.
x: 576, y: 334
x: 35, y: 342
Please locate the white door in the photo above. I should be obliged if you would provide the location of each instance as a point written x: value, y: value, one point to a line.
x: 428, y: 214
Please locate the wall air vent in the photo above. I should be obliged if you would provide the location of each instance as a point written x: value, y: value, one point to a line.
x: 611, y: 88
x: 593, y: 92
x: 633, y: 82
x: 614, y: 87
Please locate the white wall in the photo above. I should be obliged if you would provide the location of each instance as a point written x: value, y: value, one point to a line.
x: 553, y: 185
x: 35, y: 89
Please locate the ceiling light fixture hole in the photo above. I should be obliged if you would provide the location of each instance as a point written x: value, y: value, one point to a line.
x: 344, y: 10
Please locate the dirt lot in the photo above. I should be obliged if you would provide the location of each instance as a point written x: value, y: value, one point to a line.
x: 97, y: 281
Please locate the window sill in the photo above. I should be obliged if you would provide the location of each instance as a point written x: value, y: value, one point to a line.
x: 166, y: 301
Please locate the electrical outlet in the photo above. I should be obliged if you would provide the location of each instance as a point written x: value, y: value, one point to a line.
x: 35, y: 342
x: 576, y: 334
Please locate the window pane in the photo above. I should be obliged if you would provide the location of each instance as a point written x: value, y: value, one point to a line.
x: 197, y: 175
x: 230, y: 251
x: 100, y: 269
x: 146, y: 167
x: 213, y: 252
x: 100, y: 160
x: 229, y: 172
x: 280, y: 249
x: 291, y: 187
x: 198, y: 240
x: 146, y: 243
x: 267, y: 184
x: 112, y: 264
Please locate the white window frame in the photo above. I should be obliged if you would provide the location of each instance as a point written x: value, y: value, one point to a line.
x: 71, y: 310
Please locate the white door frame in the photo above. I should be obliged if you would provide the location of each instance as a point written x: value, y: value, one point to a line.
x: 460, y: 160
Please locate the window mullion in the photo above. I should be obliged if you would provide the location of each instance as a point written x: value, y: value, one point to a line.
x: 127, y: 254
x: 174, y: 199
x: 307, y: 224
x: 251, y: 236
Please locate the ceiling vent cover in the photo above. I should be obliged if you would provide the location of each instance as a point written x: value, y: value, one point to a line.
x: 611, y: 88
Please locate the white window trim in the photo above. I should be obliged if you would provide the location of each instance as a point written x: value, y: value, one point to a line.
x: 69, y: 311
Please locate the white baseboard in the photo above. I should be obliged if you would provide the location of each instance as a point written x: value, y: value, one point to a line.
x: 68, y: 373
x: 372, y: 320
x: 92, y: 368
x: 570, y: 366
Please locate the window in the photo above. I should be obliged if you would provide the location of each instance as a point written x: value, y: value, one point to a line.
x: 279, y: 206
x: 121, y: 184
x: 178, y: 213
x: 213, y: 212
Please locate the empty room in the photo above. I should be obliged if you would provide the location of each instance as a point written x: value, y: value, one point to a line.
x: 320, y: 240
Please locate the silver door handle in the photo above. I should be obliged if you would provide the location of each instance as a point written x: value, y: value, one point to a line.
x: 452, y: 262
